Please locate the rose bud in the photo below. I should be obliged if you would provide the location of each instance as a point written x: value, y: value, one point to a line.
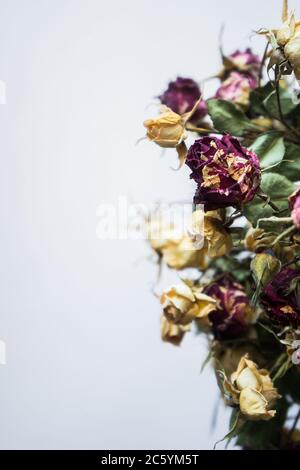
x: 257, y: 392
x: 172, y: 333
x: 176, y: 249
x: 240, y: 61
x: 252, y: 389
x: 294, y: 203
x: 227, y: 174
x: 167, y: 130
x: 292, y: 50
x: 287, y: 38
x: 233, y: 313
x: 183, y: 304
x: 236, y: 88
x: 217, y: 240
x: 182, y: 95
x: 244, y: 61
x: 281, y: 298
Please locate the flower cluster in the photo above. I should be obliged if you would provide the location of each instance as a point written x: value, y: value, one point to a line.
x: 241, y: 251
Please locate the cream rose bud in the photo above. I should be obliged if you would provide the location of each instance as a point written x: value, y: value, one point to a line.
x: 177, y: 302
x: 172, y: 333
x: 257, y: 392
x: 254, y: 406
x: 167, y: 130
x: 183, y: 304
x: 292, y: 50
x: 177, y: 250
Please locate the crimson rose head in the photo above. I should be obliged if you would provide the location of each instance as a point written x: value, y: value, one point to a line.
x: 182, y: 95
x: 226, y: 173
x: 233, y: 312
x: 245, y: 61
x: 281, y: 298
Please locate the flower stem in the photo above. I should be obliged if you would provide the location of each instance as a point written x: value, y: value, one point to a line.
x: 260, y: 76
x: 284, y: 234
x: 266, y: 198
x: 295, y: 260
x: 200, y: 130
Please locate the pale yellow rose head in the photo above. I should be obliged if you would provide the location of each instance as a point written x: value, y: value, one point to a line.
x: 257, y: 392
x: 167, y: 130
x: 182, y: 304
x: 176, y: 249
x: 172, y: 333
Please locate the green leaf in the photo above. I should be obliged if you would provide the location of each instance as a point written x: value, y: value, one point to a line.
x: 291, y: 169
x: 270, y: 148
x: 278, y: 188
x: 258, y: 96
x: 234, y: 427
x: 287, y: 104
x: 228, y: 118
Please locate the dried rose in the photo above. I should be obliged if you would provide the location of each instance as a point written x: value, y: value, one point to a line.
x: 281, y: 298
x: 244, y: 61
x: 257, y: 392
x: 233, y: 313
x: 294, y: 202
x: 182, y: 95
x: 217, y: 240
x: 227, y: 174
x: 176, y: 249
x: 252, y: 389
x: 167, y: 130
x: 287, y: 40
x: 182, y: 304
x: 236, y: 88
x: 172, y: 333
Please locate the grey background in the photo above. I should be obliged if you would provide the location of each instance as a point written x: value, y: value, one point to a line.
x: 85, y: 364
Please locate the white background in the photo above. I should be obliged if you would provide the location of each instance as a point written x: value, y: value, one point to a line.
x: 85, y: 364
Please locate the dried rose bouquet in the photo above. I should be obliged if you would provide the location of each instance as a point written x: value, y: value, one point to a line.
x: 245, y: 165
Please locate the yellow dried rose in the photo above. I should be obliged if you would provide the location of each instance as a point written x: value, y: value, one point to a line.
x: 287, y: 38
x: 182, y: 254
x: 217, y: 240
x: 167, y: 130
x: 183, y: 303
x: 257, y: 240
x: 176, y: 249
x: 257, y: 392
x: 172, y: 333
